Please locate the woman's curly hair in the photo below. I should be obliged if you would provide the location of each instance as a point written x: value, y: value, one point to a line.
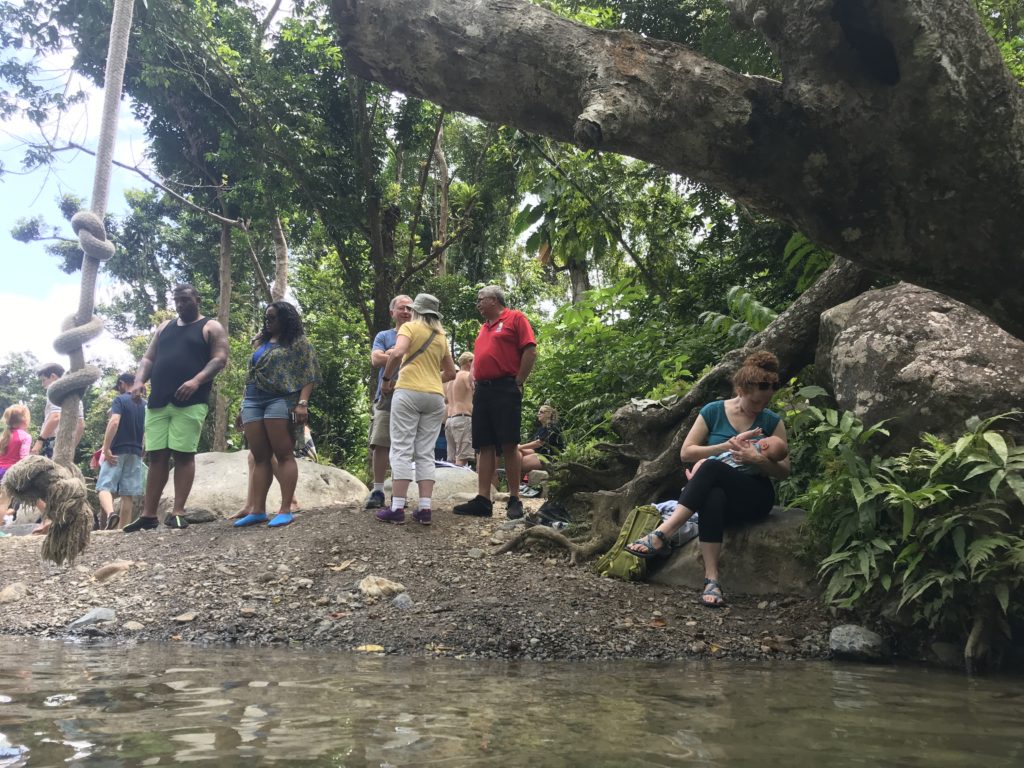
x: 289, y: 324
x: 755, y: 369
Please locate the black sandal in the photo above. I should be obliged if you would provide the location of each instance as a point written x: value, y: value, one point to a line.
x: 648, y: 543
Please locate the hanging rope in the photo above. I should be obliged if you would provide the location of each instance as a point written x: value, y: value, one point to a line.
x: 34, y: 478
x: 72, y: 520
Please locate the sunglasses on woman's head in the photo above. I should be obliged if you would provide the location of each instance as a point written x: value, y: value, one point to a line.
x: 773, y: 385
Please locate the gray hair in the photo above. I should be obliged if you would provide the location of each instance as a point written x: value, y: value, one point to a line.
x: 495, y: 292
x: 394, y: 301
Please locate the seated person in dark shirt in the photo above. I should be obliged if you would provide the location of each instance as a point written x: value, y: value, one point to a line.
x: 547, y: 441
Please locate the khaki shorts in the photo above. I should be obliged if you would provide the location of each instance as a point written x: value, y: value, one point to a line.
x: 458, y: 431
x: 175, y: 428
x: 380, y: 428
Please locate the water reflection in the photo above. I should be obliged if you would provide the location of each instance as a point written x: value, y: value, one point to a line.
x: 173, y: 705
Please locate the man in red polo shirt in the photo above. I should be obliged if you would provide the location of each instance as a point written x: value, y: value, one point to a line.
x: 503, y: 357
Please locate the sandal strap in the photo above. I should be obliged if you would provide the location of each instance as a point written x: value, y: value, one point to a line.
x: 660, y: 535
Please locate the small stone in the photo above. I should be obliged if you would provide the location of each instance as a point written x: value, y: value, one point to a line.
x: 247, y: 611
x: 698, y: 646
x: 133, y: 626
x: 303, y: 583
x: 476, y: 553
x: 185, y: 618
x: 13, y: 592
x: 763, y: 604
x: 402, y: 601
x: 535, y: 641
x: 282, y: 568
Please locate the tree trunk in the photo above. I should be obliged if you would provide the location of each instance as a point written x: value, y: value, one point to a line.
x: 220, y: 403
x: 280, y: 260
x: 894, y: 137
x: 443, y: 181
x: 579, y: 279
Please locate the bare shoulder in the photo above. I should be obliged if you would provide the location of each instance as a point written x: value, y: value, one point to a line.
x: 213, y: 329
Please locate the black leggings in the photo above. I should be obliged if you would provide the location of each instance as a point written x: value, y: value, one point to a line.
x: 722, y: 495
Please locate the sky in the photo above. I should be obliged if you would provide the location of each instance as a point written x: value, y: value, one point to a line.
x: 35, y: 295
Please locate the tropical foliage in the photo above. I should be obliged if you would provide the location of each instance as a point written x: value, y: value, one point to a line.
x: 936, y: 533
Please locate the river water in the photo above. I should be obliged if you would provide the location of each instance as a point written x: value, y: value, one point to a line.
x: 101, y: 705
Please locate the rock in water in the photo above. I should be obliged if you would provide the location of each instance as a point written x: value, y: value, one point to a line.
x: 851, y: 642
x: 95, y: 616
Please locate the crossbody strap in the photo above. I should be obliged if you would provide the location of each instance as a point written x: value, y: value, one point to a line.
x: 419, y: 351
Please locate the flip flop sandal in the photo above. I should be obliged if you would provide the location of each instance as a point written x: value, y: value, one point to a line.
x: 648, y: 543
x: 113, y: 521
x: 713, y: 590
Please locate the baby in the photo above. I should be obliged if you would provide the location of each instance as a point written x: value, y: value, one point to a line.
x: 773, y: 448
x: 770, y: 447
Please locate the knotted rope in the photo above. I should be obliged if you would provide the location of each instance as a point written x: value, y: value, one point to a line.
x: 72, y: 521
x: 34, y: 478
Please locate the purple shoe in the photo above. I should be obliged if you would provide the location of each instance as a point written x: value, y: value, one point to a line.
x: 422, y: 516
x: 389, y: 515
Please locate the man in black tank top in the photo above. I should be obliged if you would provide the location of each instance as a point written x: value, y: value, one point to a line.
x: 180, y: 364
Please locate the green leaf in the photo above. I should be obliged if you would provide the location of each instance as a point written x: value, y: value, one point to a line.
x: 962, y: 444
x: 1016, y: 483
x: 1002, y: 591
x: 996, y: 481
x: 811, y: 392
x: 908, y: 518
x: 998, y: 445
x: 959, y: 542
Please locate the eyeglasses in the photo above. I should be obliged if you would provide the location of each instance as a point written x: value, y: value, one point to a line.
x: 772, y: 385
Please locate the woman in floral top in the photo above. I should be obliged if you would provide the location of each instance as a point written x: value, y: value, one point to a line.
x: 282, y: 373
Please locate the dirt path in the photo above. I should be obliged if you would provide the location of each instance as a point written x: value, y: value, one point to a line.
x: 212, y: 583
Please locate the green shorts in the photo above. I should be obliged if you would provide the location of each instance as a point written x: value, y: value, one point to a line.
x: 175, y: 428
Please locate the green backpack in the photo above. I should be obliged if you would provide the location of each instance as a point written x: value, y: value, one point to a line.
x: 617, y: 562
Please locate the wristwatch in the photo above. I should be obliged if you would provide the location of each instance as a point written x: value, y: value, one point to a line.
x: 303, y: 402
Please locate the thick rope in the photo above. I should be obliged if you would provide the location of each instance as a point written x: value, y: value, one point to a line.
x: 69, y: 533
x: 34, y: 478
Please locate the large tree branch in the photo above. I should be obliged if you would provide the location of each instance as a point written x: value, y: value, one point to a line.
x: 895, y: 137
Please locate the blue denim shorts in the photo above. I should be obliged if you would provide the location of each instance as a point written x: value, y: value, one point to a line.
x: 126, y: 478
x: 259, y: 404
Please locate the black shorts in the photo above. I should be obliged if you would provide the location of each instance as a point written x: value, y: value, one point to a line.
x: 497, y: 413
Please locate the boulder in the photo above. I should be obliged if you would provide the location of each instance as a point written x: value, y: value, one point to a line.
x: 850, y: 642
x: 451, y: 486
x: 919, y: 358
x: 222, y: 481
x: 758, y: 559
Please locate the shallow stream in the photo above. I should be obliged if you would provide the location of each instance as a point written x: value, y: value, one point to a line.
x: 97, y: 705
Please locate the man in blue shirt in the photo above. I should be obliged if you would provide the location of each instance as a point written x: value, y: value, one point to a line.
x: 380, y: 421
x: 122, y: 472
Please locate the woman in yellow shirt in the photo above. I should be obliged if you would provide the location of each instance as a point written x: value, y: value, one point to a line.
x: 418, y: 365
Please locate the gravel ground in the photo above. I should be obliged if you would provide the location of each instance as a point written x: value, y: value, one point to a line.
x: 300, y: 585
